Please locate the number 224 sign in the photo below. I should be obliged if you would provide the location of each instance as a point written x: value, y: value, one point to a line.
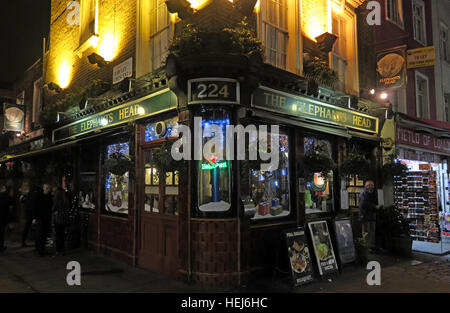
x: 213, y: 90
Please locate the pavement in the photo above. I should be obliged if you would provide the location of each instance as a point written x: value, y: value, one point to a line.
x: 23, y: 271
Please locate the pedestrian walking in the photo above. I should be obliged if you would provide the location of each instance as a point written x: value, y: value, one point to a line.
x: 29, y: 200
x: 6, y: 205
x: 42, y: 217
x: 61, y: 210
x: 368, y: 205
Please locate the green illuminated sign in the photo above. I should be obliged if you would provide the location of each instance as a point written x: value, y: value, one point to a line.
x: 207, y: 166
x: 152, y: 104
x: 277, y: 101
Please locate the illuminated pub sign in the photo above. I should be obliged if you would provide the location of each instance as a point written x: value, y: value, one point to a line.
x: 278, y: 101
x: 155, y: 103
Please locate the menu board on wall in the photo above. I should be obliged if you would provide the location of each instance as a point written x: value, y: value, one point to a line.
x: 344, y: 238
x: 299, y: 256
x: 323, y: 248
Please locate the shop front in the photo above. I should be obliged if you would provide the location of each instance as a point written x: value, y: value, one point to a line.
x: 422, y: 193
x: 236, y: 210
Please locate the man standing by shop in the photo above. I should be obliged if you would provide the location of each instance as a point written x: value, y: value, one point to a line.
x: 42, y: 217
x: 368, y: 205
x: 6, y: 204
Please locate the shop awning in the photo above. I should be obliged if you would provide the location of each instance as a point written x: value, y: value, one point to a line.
x: 40, y: 151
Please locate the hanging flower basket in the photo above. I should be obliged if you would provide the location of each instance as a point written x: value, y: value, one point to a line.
x: 164, y: 162
x: 118, y: 164
x: 355, y: 164
x: 392, y: 167
x: 317, y: 160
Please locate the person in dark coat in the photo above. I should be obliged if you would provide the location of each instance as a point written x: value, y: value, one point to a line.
x: 42, y: 217
x: 6, y: 204
x: 368, y: 205
x: 29, y: 201
x: 61, y: 211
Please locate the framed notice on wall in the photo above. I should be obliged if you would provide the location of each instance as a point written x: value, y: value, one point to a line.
x: 344, y: 238
x: 323, y: 248
x: 299, y: 256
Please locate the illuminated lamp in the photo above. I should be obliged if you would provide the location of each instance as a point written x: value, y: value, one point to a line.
x: 94, y: 58
x: 326, y: 41
x: 182, y: 7
x: 53, y: 86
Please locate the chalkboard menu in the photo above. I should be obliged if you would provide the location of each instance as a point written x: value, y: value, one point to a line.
x: 299, y: 257
x: 323, y: 248
x: 344, y: 238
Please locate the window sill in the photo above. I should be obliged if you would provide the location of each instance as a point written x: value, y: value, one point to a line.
x: 402, y: 27
x: 91, y: 42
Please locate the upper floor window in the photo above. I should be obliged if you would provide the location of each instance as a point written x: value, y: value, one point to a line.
x: 422, y: 100
x: 37, y: 100
x: 89, y: 19
x: 394, y: 12
x: 159, y: 32
x: 20, y: 99
x: 419, y: 21
x: 339, y: 55
x: 444, y: 42
x: 447, y: 107
x: 274, y: 31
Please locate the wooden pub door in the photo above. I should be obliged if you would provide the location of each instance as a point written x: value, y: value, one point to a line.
x: 158, y: 235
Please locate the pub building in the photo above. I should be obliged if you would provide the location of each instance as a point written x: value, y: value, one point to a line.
x: 423, y: 145
x: 210, y: 222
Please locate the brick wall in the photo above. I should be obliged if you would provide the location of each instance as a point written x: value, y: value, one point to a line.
x: 215, y: 252
x: 314, y: 17
x: 116, y: 22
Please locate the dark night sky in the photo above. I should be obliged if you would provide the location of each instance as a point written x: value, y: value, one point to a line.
x: 23, y: 24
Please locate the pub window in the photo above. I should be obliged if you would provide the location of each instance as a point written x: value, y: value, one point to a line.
x: 265, y: 194
x: 394, y: 12
x: 319, y: 190
x: 89, y: 20
x: 161, y: 189
x: 214, y: 183
x: 160, y: 32
x: 116, y: 186
x: 274, y: 31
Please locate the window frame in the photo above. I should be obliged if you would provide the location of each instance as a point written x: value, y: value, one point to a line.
x: 82, y: 30
x: 420, y: 4
x: 37, y: 97
x: 153, y: 34
x: 399, y: 12
x: 447, y: 106
x: 118, y: 139
x: 444, y: 56
x: 423, y: 77
x: 265, y: 26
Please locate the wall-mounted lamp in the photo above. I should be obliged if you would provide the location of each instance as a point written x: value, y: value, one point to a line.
x: 53, y: 86
x: 94, y: 58
x: 182, y: 7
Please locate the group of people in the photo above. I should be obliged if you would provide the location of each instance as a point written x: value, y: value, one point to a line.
x: 44, y: 207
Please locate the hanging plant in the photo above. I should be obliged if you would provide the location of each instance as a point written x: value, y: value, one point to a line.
x: 355, y: 164
x: 237, y: 39
x: 318, y: 71
x: 392, y: 167
x: 317, y: 160
x: 118, y: 164
x: 164, y: 162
